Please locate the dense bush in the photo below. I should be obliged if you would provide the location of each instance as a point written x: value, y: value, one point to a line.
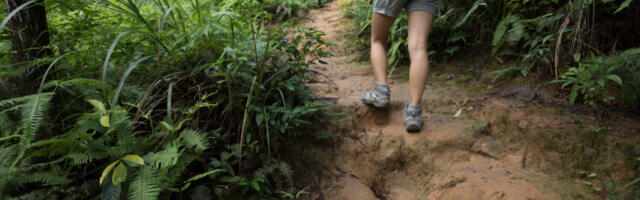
x: 158, y: 99
x: 543, y: 35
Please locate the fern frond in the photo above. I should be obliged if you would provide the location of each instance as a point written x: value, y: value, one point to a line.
x: 191, y: 139
x: 285, y: 169
x: 86, y: 157
x: 7, y: 154
x: 17, y: 100
x: 631, y: 52
x: 41, y: 177
x: 163, y: 159
x: 73, y: 82
x: 33, y: 113
x: 146, y: 185
x: 181, y: 165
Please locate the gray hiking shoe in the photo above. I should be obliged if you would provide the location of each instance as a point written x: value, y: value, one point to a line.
x: 413, y: 117
x: 379, y: 97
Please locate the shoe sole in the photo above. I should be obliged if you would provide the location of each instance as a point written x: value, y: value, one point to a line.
x: 414, y: 128
x: 376, y: 104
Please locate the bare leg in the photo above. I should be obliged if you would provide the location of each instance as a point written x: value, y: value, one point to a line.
x: 380, y: 25
x: 419, y: 28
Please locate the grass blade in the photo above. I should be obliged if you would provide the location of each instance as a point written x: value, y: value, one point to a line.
x: 14, y: 12
x: 169, y: 94
x: 106, y: 60
x: 44, y: 77
x: 124, y: 77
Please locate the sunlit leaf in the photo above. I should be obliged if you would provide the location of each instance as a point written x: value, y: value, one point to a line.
x: 107, y: 170
x: 119, y: 174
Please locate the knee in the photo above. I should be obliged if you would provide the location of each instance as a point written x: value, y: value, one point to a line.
x: 417, y: 49
x: 378, y: 40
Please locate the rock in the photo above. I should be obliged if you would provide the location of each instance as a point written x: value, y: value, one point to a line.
x: 489, y: 148
x: 353, y: 189
x: 528, y: 93
x: 523, y: 124
x: 470, y: 108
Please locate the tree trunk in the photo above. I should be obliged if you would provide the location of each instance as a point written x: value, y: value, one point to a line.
x: 29, y: 41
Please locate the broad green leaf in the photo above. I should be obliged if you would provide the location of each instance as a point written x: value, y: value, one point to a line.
x: 474, y: 7
x: 255, y: 185
x: 500, y: 30
x: 98, y: 105
x: 573, y: 94
x: 104, y: 121
x: 614, y: 78
x: 200, y: 176
x: 167, y: 126
x: 593, y: 175
x: 588, y: 183
x: 119, y: 174
x: 623, y: 6
x: 134, y: 159
x: 110, y: 191
x: 106, y: 170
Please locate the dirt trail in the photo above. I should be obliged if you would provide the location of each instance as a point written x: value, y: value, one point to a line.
x: 374, y: 157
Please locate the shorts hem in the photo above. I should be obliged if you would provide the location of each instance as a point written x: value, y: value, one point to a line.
x: 386, y: 13
x: 431, y: 10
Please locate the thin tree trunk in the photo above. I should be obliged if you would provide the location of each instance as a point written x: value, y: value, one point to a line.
x: 29, y: 41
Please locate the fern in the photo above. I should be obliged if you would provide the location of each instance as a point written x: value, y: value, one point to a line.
x: 17, y: 100
x: 146, y: 185
x: 73, y: 82
x: 86, y: 157
x: 41, y: 177
x: 473, y: 9
x: 194, y: 139
x: 163, y: 159
x: 181, y: 165
x: 33, y: 113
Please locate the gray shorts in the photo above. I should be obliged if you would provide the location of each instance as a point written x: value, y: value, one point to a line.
x: 392, y: 8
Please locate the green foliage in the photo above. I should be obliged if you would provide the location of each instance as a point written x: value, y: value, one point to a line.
x: 169, y: 81
x: 592, y: 78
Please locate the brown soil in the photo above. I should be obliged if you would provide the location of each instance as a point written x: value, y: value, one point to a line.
x: 499, y: 148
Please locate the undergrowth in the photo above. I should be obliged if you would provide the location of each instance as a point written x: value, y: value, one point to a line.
x: 160, y: 100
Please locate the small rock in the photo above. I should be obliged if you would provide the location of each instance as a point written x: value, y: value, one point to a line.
x: 451, y: 76
x: 523, y: 124
x: 470, y: 108
x: 354, y: 189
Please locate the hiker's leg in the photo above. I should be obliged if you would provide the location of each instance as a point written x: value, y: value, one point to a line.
x: 419, y: 28
x: 380, y: 25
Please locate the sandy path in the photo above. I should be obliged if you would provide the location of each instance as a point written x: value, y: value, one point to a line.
x: 376, y: 158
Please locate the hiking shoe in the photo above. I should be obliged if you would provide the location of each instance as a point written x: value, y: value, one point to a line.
x: 379, y: 97
x: 413, y: 117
